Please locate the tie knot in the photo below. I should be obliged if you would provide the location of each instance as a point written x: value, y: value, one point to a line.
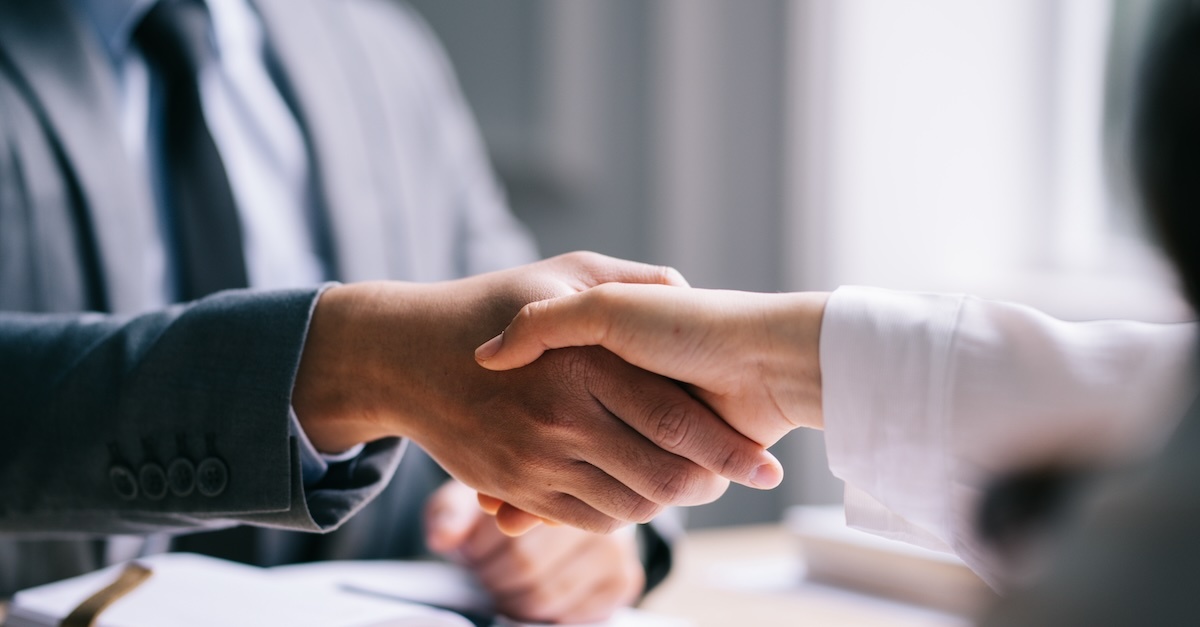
x: 176, y: 36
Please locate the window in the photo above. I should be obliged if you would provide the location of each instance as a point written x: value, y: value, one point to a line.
x: 958, y: 146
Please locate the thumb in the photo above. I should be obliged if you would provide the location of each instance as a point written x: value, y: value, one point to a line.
x: 451, y: 514
x: 572, y: 320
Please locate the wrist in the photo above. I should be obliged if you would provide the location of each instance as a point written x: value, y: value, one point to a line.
x: 792, y: 367
x: 333, y: 396
x: 386, y: 359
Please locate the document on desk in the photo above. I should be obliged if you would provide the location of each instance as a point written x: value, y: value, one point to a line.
x: 187, y: 590
x: 435, y: 584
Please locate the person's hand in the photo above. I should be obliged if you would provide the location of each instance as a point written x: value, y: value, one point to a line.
x: 581, y: 437
x: 551, y: 574
x: 753, y: 358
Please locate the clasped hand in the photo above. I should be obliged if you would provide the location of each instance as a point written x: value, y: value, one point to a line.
x: 752, y: 358
x: 581, y: 437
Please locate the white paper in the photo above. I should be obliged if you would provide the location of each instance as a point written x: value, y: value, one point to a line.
x: 436, y: 583
x: 195, y: 591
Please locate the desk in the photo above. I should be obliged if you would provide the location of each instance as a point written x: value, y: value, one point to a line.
x: 753, y: 576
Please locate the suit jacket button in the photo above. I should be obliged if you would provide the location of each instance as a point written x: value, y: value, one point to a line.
x: 211, y: 477
x: 153, y: 481
x: 181, y: 477
x: 123, y: 482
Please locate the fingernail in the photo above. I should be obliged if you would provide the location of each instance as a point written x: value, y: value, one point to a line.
x: 767, y: 476
x: 489, y: 348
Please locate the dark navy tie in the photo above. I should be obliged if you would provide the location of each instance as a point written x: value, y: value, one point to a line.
x: 176, y: 39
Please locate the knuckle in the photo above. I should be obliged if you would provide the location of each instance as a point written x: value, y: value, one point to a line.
x: 643, y: 510
x: 576, y: 370
x: 667, y: 274
x: 526, y: 315
x: 602, y: 294
x: 670, y: 275
x: 735, y: 461
x: 565, y: 508
x: 565, y: 428
x: 671, y: 425
x: 607, y: 525
x: 675, y: 484
x: 582, y: 258
x: 525, y: 320
x: 603, y: 301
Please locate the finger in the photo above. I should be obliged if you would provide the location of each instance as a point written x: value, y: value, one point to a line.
x: 524, y: 562
x: 483, y: 544
x: 576, y: 496
x: 586, y: 485
x: 574, y: 580
x: 575, y: 320
x: 514, y: 522
x: 645, y: 469
x: 489, y: 504
x: 598, y: 604
x: 450, y: 516
x: 624, y: 583
x: 511, y: 520
x: 593, y: 269
x: 674, y: 421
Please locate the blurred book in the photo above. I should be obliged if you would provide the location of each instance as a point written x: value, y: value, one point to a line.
x: 838, y: 555
x: 186, y: 590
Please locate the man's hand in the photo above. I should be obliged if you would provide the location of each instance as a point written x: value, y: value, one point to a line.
x: 581, y: 437
x: 752, y: 358
x: 551, y: 574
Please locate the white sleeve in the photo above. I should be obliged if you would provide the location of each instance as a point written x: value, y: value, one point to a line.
x: 927, y: 398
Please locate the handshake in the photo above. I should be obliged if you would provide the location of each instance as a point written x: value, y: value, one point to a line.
x: 660, y: 395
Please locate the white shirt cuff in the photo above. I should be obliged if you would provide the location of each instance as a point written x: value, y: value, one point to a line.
x: 314, y: 465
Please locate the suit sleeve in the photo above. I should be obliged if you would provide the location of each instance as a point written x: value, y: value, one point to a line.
x: 172, y: 420
x: 929, y: 399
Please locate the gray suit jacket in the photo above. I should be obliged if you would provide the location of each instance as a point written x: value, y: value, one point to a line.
x: 102, y: 413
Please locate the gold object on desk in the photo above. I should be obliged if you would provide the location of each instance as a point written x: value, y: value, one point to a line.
x: 85, y: 615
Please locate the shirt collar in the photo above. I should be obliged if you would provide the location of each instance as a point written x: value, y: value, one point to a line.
x: 115, y: 21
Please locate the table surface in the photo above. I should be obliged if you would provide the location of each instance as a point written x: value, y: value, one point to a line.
x: 754, y: 576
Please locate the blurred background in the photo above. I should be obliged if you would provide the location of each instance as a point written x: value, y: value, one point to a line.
x: 779, y: 145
